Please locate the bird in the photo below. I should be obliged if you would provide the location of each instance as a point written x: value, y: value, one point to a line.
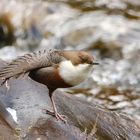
x: 53, y: 68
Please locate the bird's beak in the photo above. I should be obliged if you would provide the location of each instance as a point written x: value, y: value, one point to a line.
x: 95, y: 63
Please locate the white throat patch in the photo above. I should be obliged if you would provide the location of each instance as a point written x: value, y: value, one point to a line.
x: 72, y: 74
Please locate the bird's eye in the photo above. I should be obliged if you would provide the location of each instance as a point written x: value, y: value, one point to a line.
x: 84, y: 59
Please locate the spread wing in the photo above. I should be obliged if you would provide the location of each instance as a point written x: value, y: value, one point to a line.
x: 29, y: 62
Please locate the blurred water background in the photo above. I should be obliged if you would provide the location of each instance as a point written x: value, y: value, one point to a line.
x: 109, y: 29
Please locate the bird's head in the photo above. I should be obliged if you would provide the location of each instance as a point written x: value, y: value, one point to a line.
x: 79, y: 57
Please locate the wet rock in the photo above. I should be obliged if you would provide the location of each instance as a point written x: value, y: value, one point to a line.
x: 10, y: 52
x: 45, y: 129
x: 6, y: 132
x: 7, y: 30
x: 7, y: 124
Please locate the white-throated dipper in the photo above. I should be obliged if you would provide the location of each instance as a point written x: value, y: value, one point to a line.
x: 53, y: 68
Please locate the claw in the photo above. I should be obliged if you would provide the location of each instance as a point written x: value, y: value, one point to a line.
x: 56, y: 115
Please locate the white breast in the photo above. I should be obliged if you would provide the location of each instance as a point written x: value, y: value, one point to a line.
x: 72, y: 74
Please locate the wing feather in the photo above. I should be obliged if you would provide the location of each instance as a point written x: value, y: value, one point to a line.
x: 30, y: 62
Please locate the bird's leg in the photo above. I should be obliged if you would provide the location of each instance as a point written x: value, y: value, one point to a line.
x: 54, y: 112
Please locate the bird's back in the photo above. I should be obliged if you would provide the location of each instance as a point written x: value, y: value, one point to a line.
x: 29, y: 62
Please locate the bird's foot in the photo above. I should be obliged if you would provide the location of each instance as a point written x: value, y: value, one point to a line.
x: 56, y: 115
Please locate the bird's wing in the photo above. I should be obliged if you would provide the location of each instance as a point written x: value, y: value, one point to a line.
x: 30, y: 62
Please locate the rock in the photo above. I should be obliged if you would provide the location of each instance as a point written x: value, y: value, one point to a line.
x: 6, y: 133
x: 45, y: 130
x: 6, y: 29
